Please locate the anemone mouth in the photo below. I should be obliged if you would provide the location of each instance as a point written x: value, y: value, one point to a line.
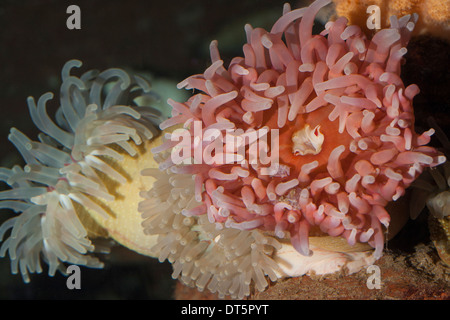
x: 307, y: 141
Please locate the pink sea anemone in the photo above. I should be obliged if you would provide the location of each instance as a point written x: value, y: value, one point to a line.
x: 347, y: 144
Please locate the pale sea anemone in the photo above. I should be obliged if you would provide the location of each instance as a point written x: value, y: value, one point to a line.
x: 98, y: 122
x: 347, y: 147
x: 432, y: 189
x: 203, y: 254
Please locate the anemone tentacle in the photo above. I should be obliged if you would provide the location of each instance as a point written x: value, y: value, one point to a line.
x: 98, y: 119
